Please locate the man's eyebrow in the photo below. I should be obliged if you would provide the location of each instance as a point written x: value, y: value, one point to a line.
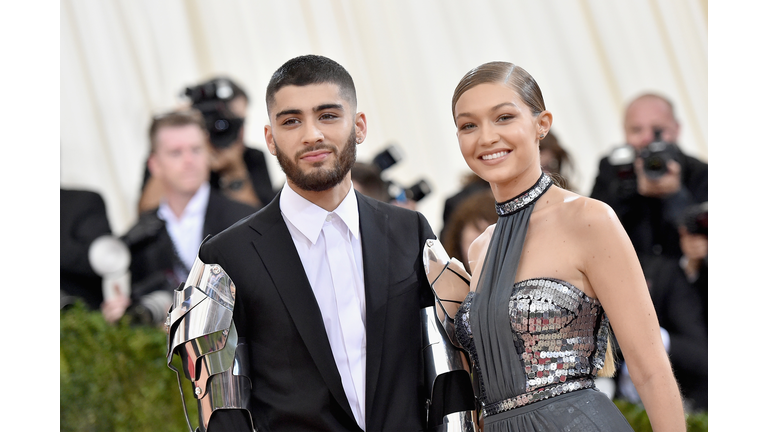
x: 291, y: 111
x: 328, y: 106
x: 323, y: 107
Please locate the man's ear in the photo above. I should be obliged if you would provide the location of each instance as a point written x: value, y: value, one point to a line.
x: 361, y: 127
x: 152, y: 165
x: 269, y: 139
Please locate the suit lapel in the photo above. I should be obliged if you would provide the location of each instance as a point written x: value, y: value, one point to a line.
x: 374, y: 228
x: 275, y: 247
x: 212, y: 214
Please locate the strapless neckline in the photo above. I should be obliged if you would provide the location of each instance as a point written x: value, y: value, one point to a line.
x: 573, y: 288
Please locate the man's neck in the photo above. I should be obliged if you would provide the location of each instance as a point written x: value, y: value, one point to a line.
x: 177, y: 202
x: 328, y: 199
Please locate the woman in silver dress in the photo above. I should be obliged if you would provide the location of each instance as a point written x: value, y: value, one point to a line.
x: 546, y: 277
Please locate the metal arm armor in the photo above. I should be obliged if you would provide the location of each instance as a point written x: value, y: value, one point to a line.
x: 451, y: 405
x: 203, y: 338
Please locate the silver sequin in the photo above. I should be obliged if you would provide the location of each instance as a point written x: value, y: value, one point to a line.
x: 563, y: 336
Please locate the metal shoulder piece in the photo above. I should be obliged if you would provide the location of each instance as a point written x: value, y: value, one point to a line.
x: 451, y: 406
x: 203, y: 339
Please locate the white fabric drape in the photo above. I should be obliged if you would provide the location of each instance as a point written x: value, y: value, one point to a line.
x: 124, y: 60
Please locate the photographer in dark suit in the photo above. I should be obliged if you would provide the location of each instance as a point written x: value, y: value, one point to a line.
x: 165, y: 240
x: 238, y: 171
x: 329, y: 282
x: 83, y: 219
x: 649, y: 182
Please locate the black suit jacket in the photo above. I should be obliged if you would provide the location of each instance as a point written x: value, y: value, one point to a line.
x: 680, y: 311
x: 651, y: 223
x: 83, y: 218
x: 153, y: 255
x: 296, y: 385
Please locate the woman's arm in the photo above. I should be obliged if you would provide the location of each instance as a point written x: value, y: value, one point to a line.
x: 614, y: 273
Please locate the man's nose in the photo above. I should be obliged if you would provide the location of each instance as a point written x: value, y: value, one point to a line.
x: 312, y: 133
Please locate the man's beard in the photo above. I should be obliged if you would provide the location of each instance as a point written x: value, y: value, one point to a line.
x: 322, y: 179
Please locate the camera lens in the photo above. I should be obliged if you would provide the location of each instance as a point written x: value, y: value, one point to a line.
x: 221, y: 125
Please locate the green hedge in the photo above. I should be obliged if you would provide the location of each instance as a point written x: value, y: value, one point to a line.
x: 115, y: 378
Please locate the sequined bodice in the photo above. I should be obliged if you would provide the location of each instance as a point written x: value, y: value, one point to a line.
x: 560, y: 336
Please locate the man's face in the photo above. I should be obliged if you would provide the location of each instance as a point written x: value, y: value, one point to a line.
x: 312, y: 132
x: 180, y: 160
x: 643, y: 116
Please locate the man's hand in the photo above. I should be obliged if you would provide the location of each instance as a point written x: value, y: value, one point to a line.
x: 114, y: 308
x: 227, y: 160
x: 664, y: 186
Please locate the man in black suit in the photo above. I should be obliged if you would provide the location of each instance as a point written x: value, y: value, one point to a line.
x: 83, y: 218
x: 649, y: 206
x: 165, y: 240
x: 329, y: 282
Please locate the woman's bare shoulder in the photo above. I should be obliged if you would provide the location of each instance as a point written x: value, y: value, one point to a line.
x: 581, y: 211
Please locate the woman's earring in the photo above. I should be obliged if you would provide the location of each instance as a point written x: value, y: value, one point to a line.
x: 541, y: 136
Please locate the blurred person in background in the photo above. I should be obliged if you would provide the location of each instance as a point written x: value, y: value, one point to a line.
x: 555, y: 160
x: 473, y: 215
x: 238, y: 171
x: 82, y: 219
x: 680, y: 311
x: 694, y: 243
x: 366, y: 179
x: 165, y: 240
x: 649, y: 181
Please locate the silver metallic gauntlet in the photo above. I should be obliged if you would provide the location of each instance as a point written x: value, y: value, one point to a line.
x: 451, y: 404
x: 203, y: 337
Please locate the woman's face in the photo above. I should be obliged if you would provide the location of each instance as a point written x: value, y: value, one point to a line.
x: 498, y: 134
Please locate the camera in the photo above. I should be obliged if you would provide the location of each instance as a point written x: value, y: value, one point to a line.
x: 389, y: 157
x: 622, y: 160
x: 413, y: 193
x: 211, y: 98
x: 696, y: 219
x: 656, y: 155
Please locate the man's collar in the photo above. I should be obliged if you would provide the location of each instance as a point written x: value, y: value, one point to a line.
x: 196, y: 206
x: 309, y: 218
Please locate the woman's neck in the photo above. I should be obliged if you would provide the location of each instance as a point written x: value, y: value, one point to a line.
x: 504, y: 191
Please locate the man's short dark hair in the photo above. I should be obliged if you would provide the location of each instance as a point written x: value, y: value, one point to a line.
x: 174, y: 119
x: 311, y: 69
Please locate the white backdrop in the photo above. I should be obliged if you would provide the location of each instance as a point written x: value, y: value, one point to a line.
x: 124, y: 60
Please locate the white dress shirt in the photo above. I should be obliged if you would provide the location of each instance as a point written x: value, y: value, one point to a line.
x: 336, y: 278
x: 186, y: 231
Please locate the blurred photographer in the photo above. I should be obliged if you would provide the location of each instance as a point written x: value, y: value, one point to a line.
x: 238, y: 171
x: 164, y: 242
x: 694, y: 243
x: 649, y: 182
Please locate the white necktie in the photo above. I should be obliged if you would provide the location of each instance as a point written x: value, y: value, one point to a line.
x: 349, y: 305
